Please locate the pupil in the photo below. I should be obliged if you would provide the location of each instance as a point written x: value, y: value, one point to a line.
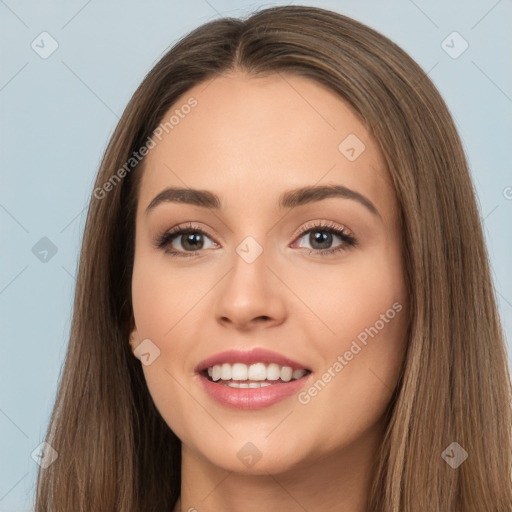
x: 193, y: 240
x: 321, y: 237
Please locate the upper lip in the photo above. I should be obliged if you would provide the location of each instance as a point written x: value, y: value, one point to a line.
x: 256, y: 355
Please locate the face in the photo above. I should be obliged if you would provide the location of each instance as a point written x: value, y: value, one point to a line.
x: 264, y: 284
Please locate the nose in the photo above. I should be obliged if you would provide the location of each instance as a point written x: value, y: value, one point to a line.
x: 251, y: 297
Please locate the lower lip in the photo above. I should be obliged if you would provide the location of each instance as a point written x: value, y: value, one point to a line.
x: 251, y: 398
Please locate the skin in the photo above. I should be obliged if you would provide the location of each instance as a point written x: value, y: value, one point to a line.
x: 248, y: 140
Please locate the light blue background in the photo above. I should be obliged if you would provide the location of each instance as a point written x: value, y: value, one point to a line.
x: 58, y: 113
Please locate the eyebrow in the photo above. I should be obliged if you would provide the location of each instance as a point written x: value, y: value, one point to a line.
x: 289, y: 199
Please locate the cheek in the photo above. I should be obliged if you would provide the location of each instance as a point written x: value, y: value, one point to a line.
x: 167, y: 308
x: 165, y: 300
x: 361, y: 338
x: 354, y: 296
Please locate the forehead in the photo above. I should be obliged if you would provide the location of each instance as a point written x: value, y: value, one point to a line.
x: 248, y: 137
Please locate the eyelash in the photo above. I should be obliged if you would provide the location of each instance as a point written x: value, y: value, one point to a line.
x: 348, y: 240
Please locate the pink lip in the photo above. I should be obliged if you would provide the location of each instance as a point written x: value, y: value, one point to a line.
x: 250, y: 398
x: 257, y: 355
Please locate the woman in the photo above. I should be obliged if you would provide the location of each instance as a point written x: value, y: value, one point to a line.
x: 284, y: 300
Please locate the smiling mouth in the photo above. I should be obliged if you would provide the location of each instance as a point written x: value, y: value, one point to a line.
x: 257, y: 375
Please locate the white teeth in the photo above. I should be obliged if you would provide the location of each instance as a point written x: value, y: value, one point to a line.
x: 216, y: 372
x: 239, y: 371
x: 297, y: 374
x: 225, y: 373
x: 248, y: 385
x: 273, y: 371
x: 286, y: 373
x: 255, y: 372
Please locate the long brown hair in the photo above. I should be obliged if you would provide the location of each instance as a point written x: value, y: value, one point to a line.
x: 115, y: 450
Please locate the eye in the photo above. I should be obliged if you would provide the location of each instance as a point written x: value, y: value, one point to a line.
x: 322, y: 236
x: 184, y: 241
x: 189, y: 240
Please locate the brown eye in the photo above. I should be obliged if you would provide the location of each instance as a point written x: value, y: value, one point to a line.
x: 184, y: 241
x: 322, y: 237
